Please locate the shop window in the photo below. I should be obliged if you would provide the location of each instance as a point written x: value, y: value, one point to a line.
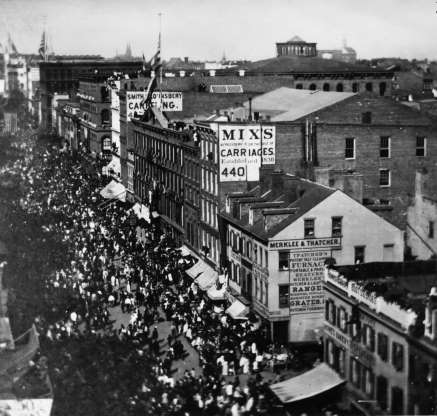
x: 397, y: 357
x: 309, y: 228
x: 284, y: 296
x: 283, y: 260
x: 384, y: 177
x: 381, y: 392
x: 336, y: 226
x: 383, y: 346
x: 397, y: 401
x: 384, y: 147
x: 360, y: 254
x: 106, y: 144
x: 349, y: 151
x: 420, y: 146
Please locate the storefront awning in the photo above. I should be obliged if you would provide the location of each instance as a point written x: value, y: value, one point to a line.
x: 141, y: 211
x: 318, y: 380
x: 185, y: 251
x: 207, y: 278
x: 237, y: 310
x: 195, y: 270
x: 218, y: 294
x: 155, y: 214
x: 114, y: 190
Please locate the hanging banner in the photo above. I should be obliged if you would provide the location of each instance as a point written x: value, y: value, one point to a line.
x: 242, y: 149
x: 171, y: 101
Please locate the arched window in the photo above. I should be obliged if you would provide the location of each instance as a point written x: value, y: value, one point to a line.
x: 299, y: 86
x: 106, y: 144
x: 313, y: 87
x: 339, y: 87
x: 355, y: 87
x: 326, y: 87
x: 105, y: 116
x: 382, y: 88
x: 369, y: 86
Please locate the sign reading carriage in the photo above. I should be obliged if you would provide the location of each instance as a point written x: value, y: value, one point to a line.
x: 171, y: 101
x: 242, y: 150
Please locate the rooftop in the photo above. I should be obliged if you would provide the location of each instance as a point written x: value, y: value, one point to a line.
x: 307, y: 64
x: 293, y: 197
x: 289, y: 104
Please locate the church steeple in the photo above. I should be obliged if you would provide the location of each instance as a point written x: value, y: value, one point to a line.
x: 128, y: 53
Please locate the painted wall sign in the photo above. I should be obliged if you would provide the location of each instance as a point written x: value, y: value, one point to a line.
x: 307, y: 243
x: 171, y: 101
x: 242, y: 148
x: 306, y: 281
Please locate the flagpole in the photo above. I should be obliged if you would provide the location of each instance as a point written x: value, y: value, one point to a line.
x: 160, y: 59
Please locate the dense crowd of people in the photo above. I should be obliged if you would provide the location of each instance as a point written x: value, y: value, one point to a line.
x: 74, y: 259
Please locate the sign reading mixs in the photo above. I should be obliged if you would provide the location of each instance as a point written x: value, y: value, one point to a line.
x: 171, y: 101
x: 242, y: 148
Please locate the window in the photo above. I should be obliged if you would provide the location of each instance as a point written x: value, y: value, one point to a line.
x: 326, y: 87
x: 381, y: 392
x: 283, y: 296
x: 431, y: 229
x: 342, y: 319
x: 369, y: 86
x: 299, y: 86
x: 283, y: 260
x: 420, y: 146
x: 368, y: 382
x: 349, y: 150
x: 366, y: 117
x: 355, y: 87
x: 397, y: 357
x: 384, y: 147
x: 360, y: 252
x: 330, y: 312
x: 336, y: 226
x: 383, y: 346
x: 339, y: 87
x: 255, y: 253
x: 368, y: 335
x: 355, y: 373
x: 313, y: 87
x: 384, y: 177
x: 309, y: 228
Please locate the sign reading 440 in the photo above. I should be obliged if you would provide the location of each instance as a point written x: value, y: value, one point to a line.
x: 242, y: 150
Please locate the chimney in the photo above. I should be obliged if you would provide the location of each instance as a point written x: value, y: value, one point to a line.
x: 186, y: 59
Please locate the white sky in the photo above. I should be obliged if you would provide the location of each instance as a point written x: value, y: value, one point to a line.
x: 204, y: 29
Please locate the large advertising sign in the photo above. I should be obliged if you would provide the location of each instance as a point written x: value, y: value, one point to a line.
x: 306, y: 277
x: 170, y: 101
x: 242, y: 150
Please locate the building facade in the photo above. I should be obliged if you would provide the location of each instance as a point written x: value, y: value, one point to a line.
x: 296, y: 47
x: 279, y: 236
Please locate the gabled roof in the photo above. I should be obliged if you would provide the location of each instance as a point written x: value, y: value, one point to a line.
x: 310, y: 195
x: 289, y: 104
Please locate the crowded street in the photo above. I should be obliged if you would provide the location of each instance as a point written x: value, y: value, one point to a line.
x: 134, y: 336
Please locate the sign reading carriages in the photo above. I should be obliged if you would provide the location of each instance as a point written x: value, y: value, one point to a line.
x: 171, y: 101
x: 243, y: 149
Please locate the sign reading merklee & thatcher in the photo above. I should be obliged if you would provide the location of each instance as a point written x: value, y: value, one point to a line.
x: 306, y: 243
x: 170, y: 101
x: 243, y: 148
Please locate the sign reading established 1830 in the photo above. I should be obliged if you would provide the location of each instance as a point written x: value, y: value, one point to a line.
x: 171, y: 101
x: 243, y: 148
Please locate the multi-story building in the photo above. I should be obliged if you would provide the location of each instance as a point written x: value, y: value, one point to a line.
x: 296, y: 47
x: 69, y: 124
x: 368, y: 146
x: 95, y: 115
x: 373, y: 333
x: 62, y: 77
x: 280, y: 233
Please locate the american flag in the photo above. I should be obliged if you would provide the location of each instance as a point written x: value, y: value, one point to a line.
x: 43, y: 46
